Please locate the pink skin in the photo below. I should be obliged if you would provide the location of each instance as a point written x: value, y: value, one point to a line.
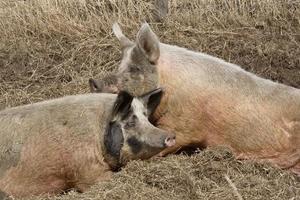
x: 210, y: 102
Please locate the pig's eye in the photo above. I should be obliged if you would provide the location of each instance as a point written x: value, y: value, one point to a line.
x: 134, y: 69
x: 131, y: 122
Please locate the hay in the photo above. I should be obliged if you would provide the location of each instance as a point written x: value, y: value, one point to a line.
x: 201, y: 176
x: 50, y: 48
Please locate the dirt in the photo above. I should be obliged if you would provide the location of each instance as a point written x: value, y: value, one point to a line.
x: 50, y: 49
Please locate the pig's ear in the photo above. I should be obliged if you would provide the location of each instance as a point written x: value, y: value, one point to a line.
x: 96, y: 86
x: 114, y: 139
x: 152, y: 99
x: 125, y: 42
x: 122, y: 105
x: 148, y: 43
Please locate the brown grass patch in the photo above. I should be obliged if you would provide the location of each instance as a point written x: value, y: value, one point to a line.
x: 201, y: 176
x: 50, y: 48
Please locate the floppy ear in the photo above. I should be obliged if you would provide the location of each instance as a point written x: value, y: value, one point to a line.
x: 96, y: 85
x: 152, y: 99
x: 125, y: 42
x: 122, y: 105
x: 148, y: 43
x: 114, y: 139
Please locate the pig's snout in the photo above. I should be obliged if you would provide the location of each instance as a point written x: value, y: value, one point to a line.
x: 170, y: 140
x: 160, y: 139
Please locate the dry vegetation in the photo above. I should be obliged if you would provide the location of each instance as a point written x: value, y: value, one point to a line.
x: 50, y: 48
x: 201, y: 176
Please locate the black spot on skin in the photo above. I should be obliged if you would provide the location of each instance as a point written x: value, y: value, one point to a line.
x: 134, y: 144
x: 126, y: 116
x: 114, y: 139
x: 131, y: 122
x: 4, y: 196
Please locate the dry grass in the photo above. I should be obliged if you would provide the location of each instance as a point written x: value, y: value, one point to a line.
x: 201, y: 176
x: 50, y: 48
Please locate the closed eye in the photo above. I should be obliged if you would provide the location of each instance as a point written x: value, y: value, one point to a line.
x: 131, y: 122
x: 134, y: 69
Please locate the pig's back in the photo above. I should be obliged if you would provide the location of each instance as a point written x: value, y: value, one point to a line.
x: 199, y: 74
x: 79, y: 114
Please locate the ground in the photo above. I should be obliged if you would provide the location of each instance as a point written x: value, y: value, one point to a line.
x: 51, y: 48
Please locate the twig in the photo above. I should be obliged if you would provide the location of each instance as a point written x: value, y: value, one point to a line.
x: 235, y: 191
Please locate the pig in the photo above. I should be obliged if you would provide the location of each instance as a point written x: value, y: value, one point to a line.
x: 75, y: 141
x: 210, y: 102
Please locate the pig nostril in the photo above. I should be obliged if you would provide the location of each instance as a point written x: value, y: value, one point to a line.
x: 171, y: 138
x: 170, y: 141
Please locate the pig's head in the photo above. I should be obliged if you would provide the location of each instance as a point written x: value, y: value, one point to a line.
x: 137, y: 73
x: 129, y: 134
